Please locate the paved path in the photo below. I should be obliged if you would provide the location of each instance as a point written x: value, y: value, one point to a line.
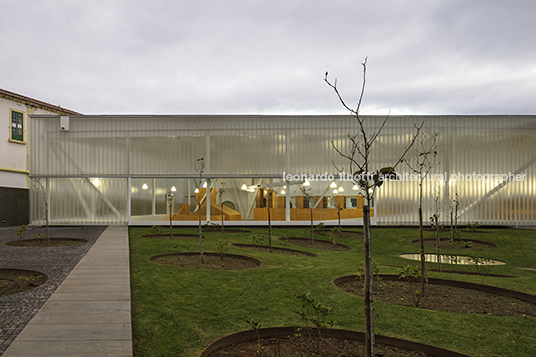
x: 89, y: 313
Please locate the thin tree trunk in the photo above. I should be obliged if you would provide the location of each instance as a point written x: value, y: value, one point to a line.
x: 312, y: 228
x: 451, y: 233
x: 201, y: 235
x: 269, y: 228
x: 438, y: 244
x: 369, y: 301
x: 170, y: 224
x: 222, y: 216
x: 423, y: 265
x: 46, y: 220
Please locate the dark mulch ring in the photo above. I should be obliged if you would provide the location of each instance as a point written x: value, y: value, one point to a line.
x: 472, y: 244
x: 284, y: 251
x: 317, y: 244
x: 211, y: 261
x: 285, y: 342
x: 14, y: 281
x: 175, y: 236
x: 42, y: 242
x: 445, y: 297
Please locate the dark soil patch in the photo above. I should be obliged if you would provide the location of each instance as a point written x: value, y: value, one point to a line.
x: 42, y: 242
x: 446, y: 297
x: 285, y: 342
x: 211, y: 261
x: 284, y: 251
x: 458, y: 243
x: 461, y: 272
x: 14, y: 281
x: 317, y: 244
x: 175, y: 236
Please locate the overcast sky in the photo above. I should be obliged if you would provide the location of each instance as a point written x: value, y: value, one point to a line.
x: 270, y: 57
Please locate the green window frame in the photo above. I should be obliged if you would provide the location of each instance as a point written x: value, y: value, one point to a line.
x: 17, y: 125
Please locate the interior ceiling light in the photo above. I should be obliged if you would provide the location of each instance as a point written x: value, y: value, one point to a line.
x: 244, y: 187
x: 341, y: 189
x: 144, y: 186
x: 335, y: 191
x: 333, y: 185
x: 251, y: 190
x: 355, y: 188
x: 196, y: 190
x: 283, y: 192
x: 205, y: 184
x: 173, y: 189
x: 307, y: 183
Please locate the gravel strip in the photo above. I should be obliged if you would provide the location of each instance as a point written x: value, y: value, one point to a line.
x: 55, y: 262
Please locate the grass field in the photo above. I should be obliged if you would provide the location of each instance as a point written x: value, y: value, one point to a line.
x: 178, y: 311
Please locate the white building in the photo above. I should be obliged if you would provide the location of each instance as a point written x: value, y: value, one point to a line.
x: 14, y: 153
x: 118, y: 169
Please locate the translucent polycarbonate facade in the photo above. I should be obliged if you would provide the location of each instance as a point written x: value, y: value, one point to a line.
x: 118, y: 169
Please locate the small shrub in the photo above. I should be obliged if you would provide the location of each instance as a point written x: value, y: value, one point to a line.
x: 408, y: 272
x: 320, y: 229
x: 473, y: 226
x: 258, y: 239
x: 20, y: 232
x: 156, y: 230
x: 222, y: 248
x: 316, y: 313
x: 467, y: 244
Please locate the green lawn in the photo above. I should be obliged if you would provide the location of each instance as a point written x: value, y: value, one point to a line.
x: 178, y: 312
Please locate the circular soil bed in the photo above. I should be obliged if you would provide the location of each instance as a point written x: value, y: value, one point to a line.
x: 446, y: 295
x: 284, y: 251
x: 42, y: 242
x: 14, y: 281
x: 283, y: 342
x: 212, y: 261
x: 457, y: 243
x: 175, y: 236
x: 318, y: 243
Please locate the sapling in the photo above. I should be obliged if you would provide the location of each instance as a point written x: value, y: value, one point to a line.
x: 306, y: 191
x: 20, y: 232
x: 319, y: 229
x: 270, y: 192
x: 200, y: 167
x: 408, y: 272
x: 222, y: 248
x: 156, y: 230
x: 316, y: 313
x: 423, y: 162
x: 361, y: 143
x: 435, y: 194
x: 256, y: 325
x: 221, y: 191
x: 169, y: 200
x: 44, y: 192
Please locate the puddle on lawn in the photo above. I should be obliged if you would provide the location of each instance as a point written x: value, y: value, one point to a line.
x: 453, y: 259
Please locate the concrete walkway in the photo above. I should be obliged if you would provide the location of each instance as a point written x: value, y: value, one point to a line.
x: 89, y: 313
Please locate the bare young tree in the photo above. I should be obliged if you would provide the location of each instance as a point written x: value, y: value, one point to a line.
x: 422, y: 164
x: 359, y: 158
x: 169, y: 200
x: 200, y: 168
x: 435, y: 194
x: 38, y: 184
x: 307, y: 195
x: 268, y: 200
x: 221, y: 191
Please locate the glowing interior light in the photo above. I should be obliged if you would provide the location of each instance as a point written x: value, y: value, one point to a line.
x: 95, y: 182
x: 196, y: 190
x: 355, y: 188
x: 144, y: 187
x: 333, y: 185
x: 341, y: 189
x: 205, y: 184
x: 244, y: 187
x: 251, y: 190
x: 307, y: 183
x: 283, y: 192
x: 173, y: 189
x: 335, y: 191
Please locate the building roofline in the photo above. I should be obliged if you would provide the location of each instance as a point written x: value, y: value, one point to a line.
x: 35, y: 103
